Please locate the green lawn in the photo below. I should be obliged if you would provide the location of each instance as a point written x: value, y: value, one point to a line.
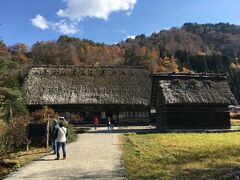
x: 181, y: 156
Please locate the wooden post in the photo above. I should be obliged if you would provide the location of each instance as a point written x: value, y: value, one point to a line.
x: 27, y: 131
x: 11, y: 114
x: 47, y: 134
x: 28, y: 144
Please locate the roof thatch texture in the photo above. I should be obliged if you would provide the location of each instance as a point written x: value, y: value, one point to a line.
x: 193, y: 89
x: 56, y: 85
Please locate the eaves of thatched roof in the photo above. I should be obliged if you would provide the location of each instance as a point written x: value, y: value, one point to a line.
x: 57, y: 85
x: 193, y: 89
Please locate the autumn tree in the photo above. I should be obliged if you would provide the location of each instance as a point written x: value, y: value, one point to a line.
x: 166, y: 64
x: 44, y: 115
x: 45, y: 53
x: 19, y: 52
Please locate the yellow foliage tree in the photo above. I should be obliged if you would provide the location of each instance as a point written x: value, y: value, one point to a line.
x: 166, y: 64
x: 19, y: 52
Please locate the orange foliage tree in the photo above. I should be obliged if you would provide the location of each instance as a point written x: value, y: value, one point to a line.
x: 44, y: 115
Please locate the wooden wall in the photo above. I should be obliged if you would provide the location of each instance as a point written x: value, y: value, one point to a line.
x: 194, y: 118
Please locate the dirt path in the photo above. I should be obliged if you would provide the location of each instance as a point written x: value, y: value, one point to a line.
x: 93, y: 156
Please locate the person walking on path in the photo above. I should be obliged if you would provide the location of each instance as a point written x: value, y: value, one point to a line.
x: 61, y: 138
x: 108, y: 123
x: 54, y: 128
x: 95, y: 122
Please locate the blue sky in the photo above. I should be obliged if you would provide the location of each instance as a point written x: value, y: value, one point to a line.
x: 108, y: 21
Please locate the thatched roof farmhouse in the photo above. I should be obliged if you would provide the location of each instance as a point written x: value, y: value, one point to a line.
x: 128, y: 93
x: 192, y: 100
x: 89, y: 88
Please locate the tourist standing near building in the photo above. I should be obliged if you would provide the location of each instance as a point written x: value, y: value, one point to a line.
x: 95, y: 122
x: 61, y: 138
x: 54, y: 128
x: 108, y: 123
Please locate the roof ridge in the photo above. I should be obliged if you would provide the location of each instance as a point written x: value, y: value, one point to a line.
x: 90, y: 66
x: 192, y: 75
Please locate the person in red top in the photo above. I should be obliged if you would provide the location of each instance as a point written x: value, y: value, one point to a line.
x: 95, y: 122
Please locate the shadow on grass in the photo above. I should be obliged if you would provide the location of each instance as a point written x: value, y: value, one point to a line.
x: 216, y: 172
x: 31, y: 153
x: 200, y: 156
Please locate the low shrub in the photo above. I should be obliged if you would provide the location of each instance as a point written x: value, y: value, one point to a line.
x: 3, y: 130
x: 13, y: 134
x: 16, y: 133
x: 72, y: 136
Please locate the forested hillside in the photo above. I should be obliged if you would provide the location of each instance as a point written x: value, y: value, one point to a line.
x: 12, y: 70
x: 211, y: 48
x: 75, y: 51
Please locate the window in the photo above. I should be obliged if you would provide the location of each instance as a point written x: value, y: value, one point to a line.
x: 131, y: 115
x: 141, y: 114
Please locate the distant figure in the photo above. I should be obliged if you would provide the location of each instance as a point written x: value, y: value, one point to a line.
x: 108, y: 123
x: 54, y: 128
x: 95, y: 122
x: 61, y: 137
x: 112, y: 123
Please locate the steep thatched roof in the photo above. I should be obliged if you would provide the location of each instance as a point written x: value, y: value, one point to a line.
x: 191, y: 89
x: 56, y: 85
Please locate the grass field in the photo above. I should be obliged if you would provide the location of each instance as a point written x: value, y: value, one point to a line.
x: 18, y: 159
x: 181, y: 156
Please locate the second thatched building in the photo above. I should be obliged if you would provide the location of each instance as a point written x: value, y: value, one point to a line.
x: 191, y: 101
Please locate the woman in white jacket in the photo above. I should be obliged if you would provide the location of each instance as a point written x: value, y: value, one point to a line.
x: 61, y: 138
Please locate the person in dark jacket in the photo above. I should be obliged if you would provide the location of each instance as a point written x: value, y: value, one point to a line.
x: 54, y: 128
x: 109, y: 123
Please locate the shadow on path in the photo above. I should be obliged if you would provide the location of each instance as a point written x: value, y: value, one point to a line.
x: 119, y: 130
x: 46, y: 159
x: 63, y: 173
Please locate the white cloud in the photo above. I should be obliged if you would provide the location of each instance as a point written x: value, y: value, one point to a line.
x: 79, y: 9
x: 62, y: 26
x: 166, y: 28
x: 131, y: 37
x: 40, y: 22
x: 66, y: 28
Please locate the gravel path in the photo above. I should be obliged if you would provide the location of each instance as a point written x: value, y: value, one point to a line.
x: 93, y: 156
